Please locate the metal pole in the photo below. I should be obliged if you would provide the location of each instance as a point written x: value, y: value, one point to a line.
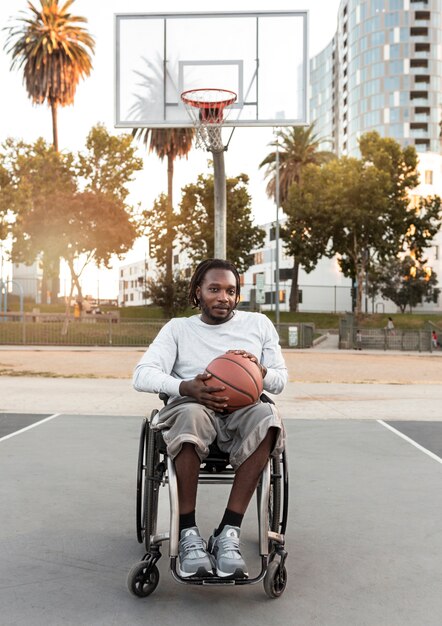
x: 220, y: 205
x: 277, y: 234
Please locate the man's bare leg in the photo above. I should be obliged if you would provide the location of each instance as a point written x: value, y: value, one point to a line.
x: 247, y: 475
x: 187, y: 465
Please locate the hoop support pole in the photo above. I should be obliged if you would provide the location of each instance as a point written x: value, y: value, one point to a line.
x: 220, y: 205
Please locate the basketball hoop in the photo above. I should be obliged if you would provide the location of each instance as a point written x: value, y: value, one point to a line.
x: 208, y: 109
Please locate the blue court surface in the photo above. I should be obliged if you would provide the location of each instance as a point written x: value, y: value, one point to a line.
x: 364, y: 535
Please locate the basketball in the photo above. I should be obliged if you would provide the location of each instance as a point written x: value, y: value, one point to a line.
x: 240, y: 376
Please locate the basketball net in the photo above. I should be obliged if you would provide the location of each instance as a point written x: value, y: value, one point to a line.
x: 208, y: 110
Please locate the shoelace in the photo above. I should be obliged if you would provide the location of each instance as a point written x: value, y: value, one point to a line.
x: 230, y: 544
x: 192, y: 542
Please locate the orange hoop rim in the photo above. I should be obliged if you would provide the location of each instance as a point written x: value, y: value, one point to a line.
x: 228, y: 98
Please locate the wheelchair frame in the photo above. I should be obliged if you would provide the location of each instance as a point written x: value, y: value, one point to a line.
x: 156, y: 469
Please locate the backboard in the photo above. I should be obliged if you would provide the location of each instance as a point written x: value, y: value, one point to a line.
x: 261, y: 56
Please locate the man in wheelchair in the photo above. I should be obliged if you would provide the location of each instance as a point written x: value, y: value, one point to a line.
x: 194, y: 417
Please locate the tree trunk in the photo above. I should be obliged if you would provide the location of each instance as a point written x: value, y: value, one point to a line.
x: 54, y: 125
x: 294, y: 290
x: 360, y: 282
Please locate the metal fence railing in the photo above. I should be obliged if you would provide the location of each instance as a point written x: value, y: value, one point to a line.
x: 107, y: 330
x: 57, y: 330
x: 381, y: 339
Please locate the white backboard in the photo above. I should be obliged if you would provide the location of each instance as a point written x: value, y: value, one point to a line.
x: 261, y: 56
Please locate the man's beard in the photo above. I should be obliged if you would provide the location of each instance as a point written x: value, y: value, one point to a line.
x: 214, y: 318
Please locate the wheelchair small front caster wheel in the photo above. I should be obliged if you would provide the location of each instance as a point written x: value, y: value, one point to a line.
x: 275, y: 579
x: 143, y: 579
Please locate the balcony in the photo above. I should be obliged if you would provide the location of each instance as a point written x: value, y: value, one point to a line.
x: 419, y: 31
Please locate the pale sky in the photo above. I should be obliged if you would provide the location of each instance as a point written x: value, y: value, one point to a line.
x: 94, y: 103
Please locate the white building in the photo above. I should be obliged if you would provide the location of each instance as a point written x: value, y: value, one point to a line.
x: 132, y: 283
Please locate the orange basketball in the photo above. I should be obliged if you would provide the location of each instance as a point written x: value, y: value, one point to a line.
x: 240, y: 376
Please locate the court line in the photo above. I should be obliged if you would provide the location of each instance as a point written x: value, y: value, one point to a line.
x: 22, y: 430
x: 413, y: 443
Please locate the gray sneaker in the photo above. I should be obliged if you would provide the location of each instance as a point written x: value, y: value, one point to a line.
x: 225, y: 549
x: 193, y: 558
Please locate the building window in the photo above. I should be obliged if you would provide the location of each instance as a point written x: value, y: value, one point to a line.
x: 428, y: 177
x: 272, y: 233
x: 258, y: 258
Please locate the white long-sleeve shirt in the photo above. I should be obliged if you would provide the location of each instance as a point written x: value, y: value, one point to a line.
x: 186, y: 345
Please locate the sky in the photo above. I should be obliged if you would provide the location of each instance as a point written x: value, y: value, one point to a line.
x: 94, y: 103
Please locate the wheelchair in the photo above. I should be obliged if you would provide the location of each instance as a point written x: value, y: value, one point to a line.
x: 155, y: 469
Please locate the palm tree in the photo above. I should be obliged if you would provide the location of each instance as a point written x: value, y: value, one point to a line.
x: 167, y: 143
x: 54, y: 52
x: 297, y: 147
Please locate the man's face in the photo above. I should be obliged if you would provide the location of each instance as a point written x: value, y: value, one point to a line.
x: 217, y: 296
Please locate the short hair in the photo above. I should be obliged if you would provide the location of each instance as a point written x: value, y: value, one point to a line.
x: 202, y: 269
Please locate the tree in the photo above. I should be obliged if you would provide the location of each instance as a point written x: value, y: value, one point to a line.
x: 167, y: 143
x: 364, y: 206
x: 56, y: 212
x: 294, y: 148
x: 54, y: 52
x: 196, y: 221
x: 405, y: 281
x: 161, y: 225
x: 109, y: 162
x: 171, y: 296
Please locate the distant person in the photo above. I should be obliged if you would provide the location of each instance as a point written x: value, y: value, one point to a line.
x: 390, y: 326
x: 358, y: 345
x: 77, y: 310
x: 434, y: 339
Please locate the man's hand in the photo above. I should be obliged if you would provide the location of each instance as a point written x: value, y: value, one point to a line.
x: 252, y: 357
x: 203, y: 393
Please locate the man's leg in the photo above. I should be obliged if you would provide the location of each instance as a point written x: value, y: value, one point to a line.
x: 224, y: 543
x: 193, y: 557
x: 187, y: 464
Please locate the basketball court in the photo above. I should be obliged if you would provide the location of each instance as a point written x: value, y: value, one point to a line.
x: 363, y: 534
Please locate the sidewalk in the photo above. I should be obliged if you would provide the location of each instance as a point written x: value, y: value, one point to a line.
x: 327, y: 384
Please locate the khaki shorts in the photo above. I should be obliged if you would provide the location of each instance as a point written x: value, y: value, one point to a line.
x: 238, y: 433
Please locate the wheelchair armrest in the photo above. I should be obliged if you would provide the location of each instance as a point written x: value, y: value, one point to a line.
x: 163, y: 397
x: 265, y: 398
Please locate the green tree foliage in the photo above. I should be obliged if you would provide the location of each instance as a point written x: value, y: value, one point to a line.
x: 171, y: 296
x: 364, y: 206
x: 405, y: 281
x: 58, y: 215
x: 196, y: 221
x: 109, y: 162
x: 5, y: 199
x: 170, y: 292
x: 160, y: 223
x: 54, y: 52
x: 296, y: 148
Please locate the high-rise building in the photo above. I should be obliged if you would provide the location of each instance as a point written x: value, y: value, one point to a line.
x: 383, y: 71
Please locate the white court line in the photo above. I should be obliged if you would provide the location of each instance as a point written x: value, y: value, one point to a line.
x: 22, y: 430
x: 413, y: 443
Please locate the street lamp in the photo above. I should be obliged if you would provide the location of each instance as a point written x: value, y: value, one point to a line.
x: 277, y: 233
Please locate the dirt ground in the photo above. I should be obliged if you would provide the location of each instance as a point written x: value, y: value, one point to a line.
x: 307, y: 366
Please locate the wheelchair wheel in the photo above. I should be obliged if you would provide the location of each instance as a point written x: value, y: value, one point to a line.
x: 275, y: 580
x: 274, y: 504
x: 140, y: 482
x: 143, y: 579
x: 275, y: 497
x: 152, y: 480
